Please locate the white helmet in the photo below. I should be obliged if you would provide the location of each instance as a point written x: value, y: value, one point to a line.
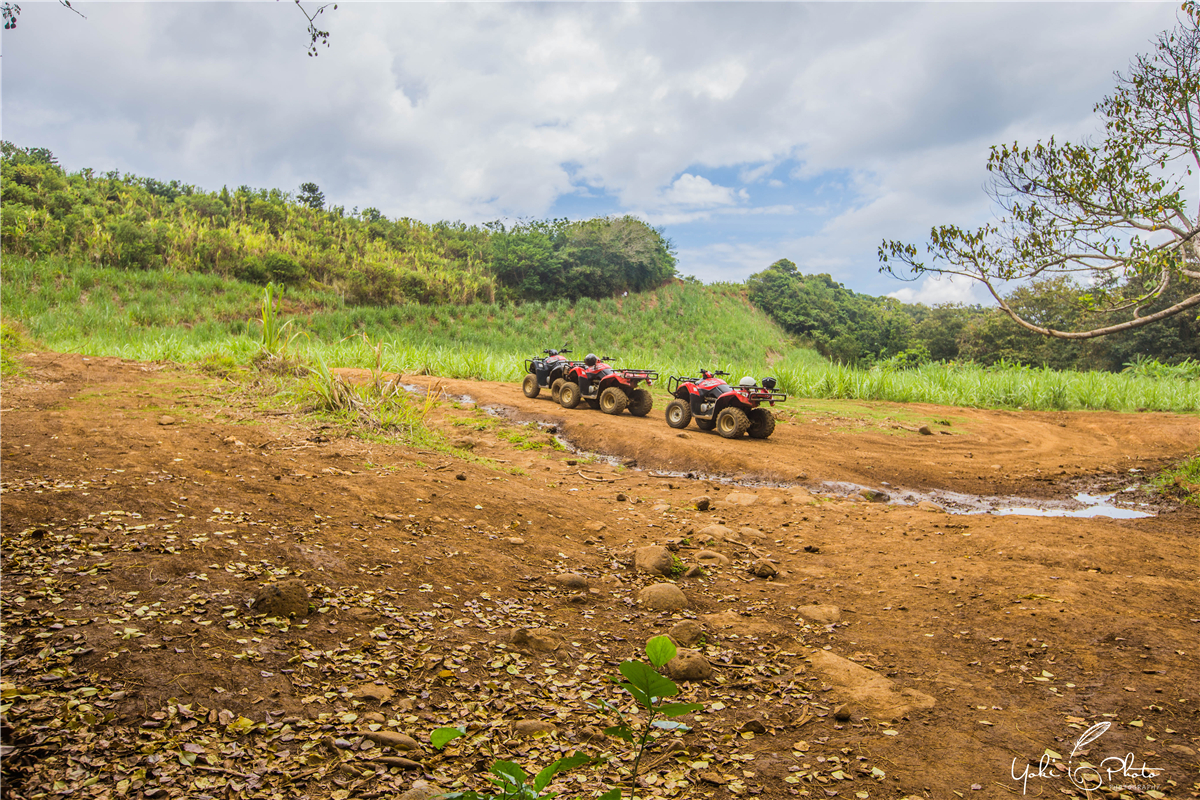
x: 747, y: 381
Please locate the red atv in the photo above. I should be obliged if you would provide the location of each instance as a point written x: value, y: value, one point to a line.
x: 732, y: 410
x: 611, y: 391
x: 546, y: 373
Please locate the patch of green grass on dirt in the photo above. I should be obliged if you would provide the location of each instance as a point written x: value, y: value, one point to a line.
x: 13, y: 341
x: 1182, y: 482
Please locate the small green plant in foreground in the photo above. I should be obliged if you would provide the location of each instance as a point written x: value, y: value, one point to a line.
x: 648, y: 689
x: 12, y: 341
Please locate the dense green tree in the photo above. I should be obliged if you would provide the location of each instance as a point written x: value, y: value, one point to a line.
x: 311, y: 195
x: 1114, y: 212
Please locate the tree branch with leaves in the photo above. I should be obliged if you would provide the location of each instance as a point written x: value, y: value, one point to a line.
x: 1113, y: 213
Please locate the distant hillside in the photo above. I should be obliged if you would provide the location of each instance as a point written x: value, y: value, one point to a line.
x: 260, y: 235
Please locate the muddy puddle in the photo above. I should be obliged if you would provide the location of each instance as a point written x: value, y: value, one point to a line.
x: 1110, y: 505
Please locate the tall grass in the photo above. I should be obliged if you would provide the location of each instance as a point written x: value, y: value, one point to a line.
x: 677, y: 330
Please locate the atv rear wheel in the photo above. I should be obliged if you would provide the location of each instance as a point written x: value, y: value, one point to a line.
x: 555, y: 388
x: 706, y: 424
x: 678, y: 414
x: 613, y: 400
x: 762, y: 423
x: 569, y: 394
x: 641, y: 402
x: 530, y: 386
x: 732, y: 422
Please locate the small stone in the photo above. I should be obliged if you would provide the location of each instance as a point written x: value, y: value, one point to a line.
x: 824, y: 615
x: 373, y: 691
x: 684, y: 435
x: 515, y: 540
x: 166, y: 420
x: 811, y: 548
x: 533, y: 727
x: 929, y: 505
x: 629, y: 463
x: 712, y: 557
x: 621, y: 497
x: 741, y: 498
x: 654, y: 559
x: 421, y: 790
x: 875, y: 496
x: 663, y: 597
x: 569, y: 581
x: 392, y: 739
x: 661, y: 507
x: 595, y: 526
x: 925, y: 430
x: 533, y: 640
x: 842, y: 713
x: 689, y: 665
x: 285, y: 599
x: 694, y: 571
x: 718, y: 532
x: 764, y: 569
x: 462, y: 476
x: 686, y: 633
x: 702, y: 503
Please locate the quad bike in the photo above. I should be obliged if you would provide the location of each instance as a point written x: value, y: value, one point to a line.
x: 714, y: 404
x: 546, y: 372
x: 612, y: 391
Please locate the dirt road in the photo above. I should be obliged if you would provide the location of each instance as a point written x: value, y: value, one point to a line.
x: 144, y: 505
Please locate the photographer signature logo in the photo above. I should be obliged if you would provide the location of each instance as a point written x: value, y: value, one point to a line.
x: 1114, y: 772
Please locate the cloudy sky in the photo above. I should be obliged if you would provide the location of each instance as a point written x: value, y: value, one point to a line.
x: 747, y: 131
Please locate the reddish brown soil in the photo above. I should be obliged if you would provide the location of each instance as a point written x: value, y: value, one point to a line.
x: 143, y: 505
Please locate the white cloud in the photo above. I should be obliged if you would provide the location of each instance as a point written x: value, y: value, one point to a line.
x: 803, y: 130
x: 934, y: 289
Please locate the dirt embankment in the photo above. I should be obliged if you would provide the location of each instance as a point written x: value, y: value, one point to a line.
x: 143, y: 506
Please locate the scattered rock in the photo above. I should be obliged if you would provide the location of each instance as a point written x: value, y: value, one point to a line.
x: 661, y: 507
x: 392, y: 739
x: 874, y: 495
x: 712, y: 558
x: 925, y: 430
x: 734, y: 623
x: 515, y: 540
x: 764, y: 569
x: 689, y: 665
x: 622, y: 497
x: 823, y: 615
x: 753, y: 534
x: 570, y: 581
x: 663, y: 597
x: 166, y: 420
x: 686, y: 633
x: 741, y: 498
x: 421, y: 790
x: 684, y: 435
x: 527, y: 639
x: 842, y: 713
x: 629, y: 463
x: 462, y: 476
x: 702, y: 502
x: 717, y: 532
x: 694, y: 571
x: 590, y: 734
x: 929, y: 505
x: 811, y: 548
x: 654, y: 559
x: 595, y: 526
x: 285, y: 599
x: 533, y: 727
x: 869, y: 690
x: 373, y: 691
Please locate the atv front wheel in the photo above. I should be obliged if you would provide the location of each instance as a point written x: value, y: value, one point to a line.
x: 569, y: 394
x: 530, y: 386
x: 613, y: 400
x: 732, y: 422
x: 678, y: 414
x: 641, y: 402
x: 555, y: 388
x: 762, y: 423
